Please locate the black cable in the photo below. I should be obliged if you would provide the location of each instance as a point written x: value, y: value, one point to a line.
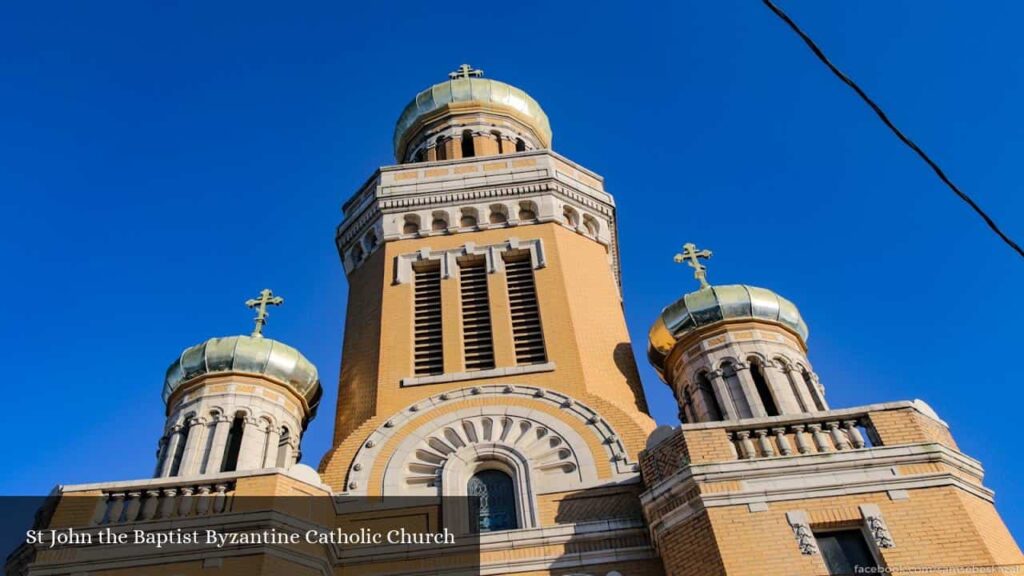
x: 885, y: 120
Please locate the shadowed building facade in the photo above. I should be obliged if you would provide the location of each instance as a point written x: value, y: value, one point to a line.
x: 487, y: 376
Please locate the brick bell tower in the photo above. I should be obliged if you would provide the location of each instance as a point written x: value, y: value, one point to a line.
x: 471, y: 364
x: 763, y: 478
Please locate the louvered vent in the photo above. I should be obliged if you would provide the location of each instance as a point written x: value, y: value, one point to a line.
x: 522, y: 298
x: 429, y: 351
x: 476, y: 315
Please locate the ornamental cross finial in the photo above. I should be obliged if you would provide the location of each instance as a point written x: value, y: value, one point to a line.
x: 465, y: 71
x: 266, y: 297
x: 691, y: 256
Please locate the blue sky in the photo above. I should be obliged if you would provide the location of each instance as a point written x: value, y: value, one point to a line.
x: 161, y: 162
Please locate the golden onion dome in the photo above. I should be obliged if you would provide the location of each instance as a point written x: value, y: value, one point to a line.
x: 247, y: 355
x: 463, y: 90
x: 716, y: 304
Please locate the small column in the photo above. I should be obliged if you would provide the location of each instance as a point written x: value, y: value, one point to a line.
x: 192, y: 457
x: 149, y: 506
x: 780, y: 439
x: 796, y: 382
x: 722, y: 395
x: 221, y: 427
x: 161, y: 453
x: 253, y: 438
x: 289, y: 452
x: 172, y: 449
x: 749, y: 389
x: 431, y: 153
x: 273, y: 440
x: 785, y: 394
x: 801, y: 440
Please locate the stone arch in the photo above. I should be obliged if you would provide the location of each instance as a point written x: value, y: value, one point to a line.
x: 405, y: 455
x: 498, y: 214
x: 469, y: 217
x: 411, y: 224
x: 527, y: 210
x: 440, y: 220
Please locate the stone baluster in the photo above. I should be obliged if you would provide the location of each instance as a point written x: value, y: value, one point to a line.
x: 782, y: 441
x: 821, y: 441
x: 838, y: 436
x: 149, y: 506
x: 203, y: 501
x: 185, y: 502
x: 801, y: 440
x: 764, y: 443
x: 746, y: 446
x: 132, y: 506
x: 856, y: 438
x: 220, y: 500
x: 221, y: 427
x: 172, y: 449
x: 102, y: 506
x: 167, y: 502
x: 116, y: 508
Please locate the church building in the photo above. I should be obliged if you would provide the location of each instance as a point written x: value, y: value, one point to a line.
x: 486, y: 360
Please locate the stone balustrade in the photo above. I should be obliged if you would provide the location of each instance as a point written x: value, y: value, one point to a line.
x: 802, y: 435
x: 161, y: 501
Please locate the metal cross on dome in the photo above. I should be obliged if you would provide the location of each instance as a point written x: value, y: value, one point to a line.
x: 266, y: 297
x: 691, y: 256
x: 465, y: 71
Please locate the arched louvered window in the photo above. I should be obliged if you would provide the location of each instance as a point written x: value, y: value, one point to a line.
x: 492, y: 501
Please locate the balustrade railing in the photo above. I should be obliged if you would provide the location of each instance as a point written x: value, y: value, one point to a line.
x: 806, y: 436
x: 124, y: 505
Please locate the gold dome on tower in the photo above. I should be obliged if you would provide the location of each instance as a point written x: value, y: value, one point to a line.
x: 467, y: 92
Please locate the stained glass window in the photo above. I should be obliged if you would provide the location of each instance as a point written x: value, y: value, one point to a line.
x: 492, y: 501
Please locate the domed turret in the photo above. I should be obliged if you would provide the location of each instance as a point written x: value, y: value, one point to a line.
x: 731, y: 352
x: 469, y: 115
x: 237, y: 403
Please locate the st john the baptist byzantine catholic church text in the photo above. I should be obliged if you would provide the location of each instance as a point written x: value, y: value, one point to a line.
x: 486, y: 355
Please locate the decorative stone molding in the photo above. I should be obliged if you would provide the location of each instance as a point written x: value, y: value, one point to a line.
x: 559, y: 456
x: 403, y: 268
x: 542, y: 182
x: 802, y: 532
x: 876, y: 526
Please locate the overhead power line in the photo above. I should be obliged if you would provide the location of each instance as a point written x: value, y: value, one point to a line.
x: 899, y: 133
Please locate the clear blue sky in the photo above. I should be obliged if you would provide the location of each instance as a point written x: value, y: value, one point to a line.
x: 161, y: 162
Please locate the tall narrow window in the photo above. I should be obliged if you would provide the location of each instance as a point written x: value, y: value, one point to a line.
x: 522, y: 299
x: 282, y: 448
x: 708, y: 398
x: 846, y: 552
x: 234, y: 444
x: 492, y: 501
x: 180, y: 451
x: 428, y: 354
x: 478, y: 345
x: 467, y: 144
x: 763, y: 391
x: 812, y: 390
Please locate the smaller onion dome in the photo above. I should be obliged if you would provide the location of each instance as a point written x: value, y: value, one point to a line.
x: 467, y: 87
x: 713, y: 304
x: 254, y: 355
